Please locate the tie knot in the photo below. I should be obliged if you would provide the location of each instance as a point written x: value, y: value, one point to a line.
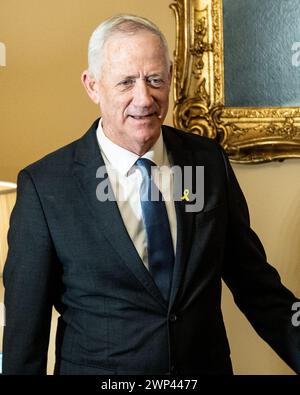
x: 145, y: 165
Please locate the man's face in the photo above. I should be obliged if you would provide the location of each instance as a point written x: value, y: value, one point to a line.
x: 133, y: 90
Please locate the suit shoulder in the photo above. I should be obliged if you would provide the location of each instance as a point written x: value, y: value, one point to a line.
x: 57, y: 160
x: 194, y: 141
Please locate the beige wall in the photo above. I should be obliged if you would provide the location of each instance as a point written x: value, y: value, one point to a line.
x: 43, y: 106
x: 272, y: 192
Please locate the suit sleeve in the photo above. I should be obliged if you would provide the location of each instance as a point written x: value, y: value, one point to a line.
x: 256, y: 285
x: 30, y: 282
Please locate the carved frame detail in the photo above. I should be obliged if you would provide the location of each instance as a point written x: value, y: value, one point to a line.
x: 248, y: 134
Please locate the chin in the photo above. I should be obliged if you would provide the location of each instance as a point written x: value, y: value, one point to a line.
x: 145, y: 134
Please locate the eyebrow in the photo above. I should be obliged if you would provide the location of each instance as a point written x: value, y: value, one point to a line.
x: 123, y: 77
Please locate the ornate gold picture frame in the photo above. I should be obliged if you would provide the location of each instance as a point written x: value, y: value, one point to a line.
x: 248, y: 134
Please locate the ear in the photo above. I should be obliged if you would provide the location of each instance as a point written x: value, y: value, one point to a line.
x: 91, y: 86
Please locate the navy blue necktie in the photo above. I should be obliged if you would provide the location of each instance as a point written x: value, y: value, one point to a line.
x: 156, y: 222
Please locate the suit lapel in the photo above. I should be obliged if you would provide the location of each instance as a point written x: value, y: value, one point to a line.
x: 106, y: 214
x: 185, y: 220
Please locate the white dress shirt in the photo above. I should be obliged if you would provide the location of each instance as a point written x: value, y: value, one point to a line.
x: 125, y: 179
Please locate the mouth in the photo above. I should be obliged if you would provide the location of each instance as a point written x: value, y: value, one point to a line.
x: 143, y: 117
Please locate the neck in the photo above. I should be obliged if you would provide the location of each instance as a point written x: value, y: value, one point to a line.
x: 137, y: 147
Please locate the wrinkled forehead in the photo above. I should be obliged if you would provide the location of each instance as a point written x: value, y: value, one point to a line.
x: 123, y: 41
x: 136, y: 54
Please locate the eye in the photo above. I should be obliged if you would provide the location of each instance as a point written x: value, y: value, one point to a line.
x: 155, y: 81
x: 127, y: 83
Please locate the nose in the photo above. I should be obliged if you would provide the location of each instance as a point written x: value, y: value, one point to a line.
x: 142, y: 96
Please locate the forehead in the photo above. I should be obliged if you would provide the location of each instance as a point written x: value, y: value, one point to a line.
x: 142, y: 47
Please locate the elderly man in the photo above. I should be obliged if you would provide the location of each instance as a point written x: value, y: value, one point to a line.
x: 136, y: 280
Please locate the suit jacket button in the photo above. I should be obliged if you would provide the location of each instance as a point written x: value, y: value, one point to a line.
x: 173, y: 317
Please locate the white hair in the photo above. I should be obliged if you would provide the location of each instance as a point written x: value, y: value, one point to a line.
x: 126, y: 24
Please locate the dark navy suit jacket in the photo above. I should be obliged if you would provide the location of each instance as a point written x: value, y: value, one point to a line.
x: 69, y: 250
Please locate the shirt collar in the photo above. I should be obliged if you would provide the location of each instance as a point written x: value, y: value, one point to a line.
x: 121, y: 159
